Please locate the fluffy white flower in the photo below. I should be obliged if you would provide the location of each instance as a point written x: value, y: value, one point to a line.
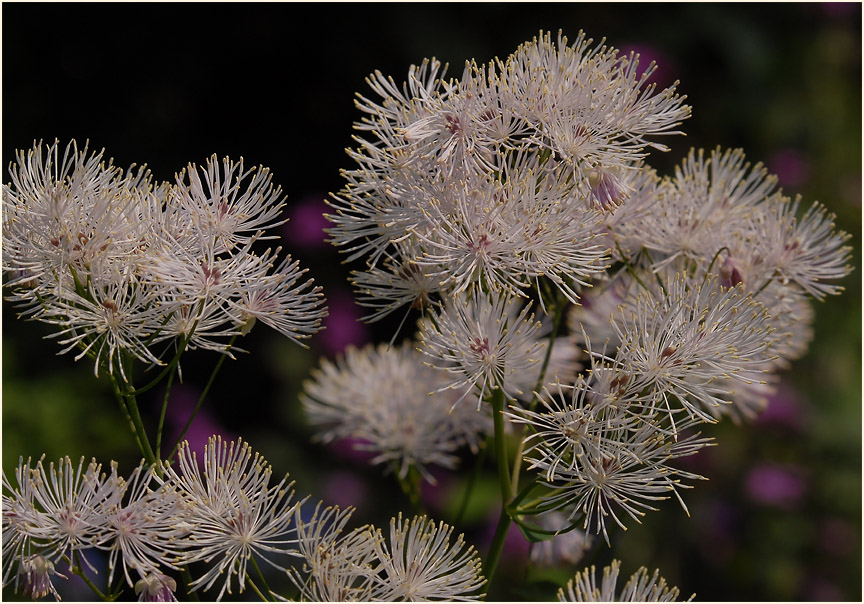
x: 420, y: 563
x: 640, y: 587
x: 498, y: 179
x: 486, y: 342
x: 392, y: 403
x: 235, y: 513
x: 680, y: 345
x: 144, y: 531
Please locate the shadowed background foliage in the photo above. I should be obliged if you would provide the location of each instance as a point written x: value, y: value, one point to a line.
x: 166, y: 84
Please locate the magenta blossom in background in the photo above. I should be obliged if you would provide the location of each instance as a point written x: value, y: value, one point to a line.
x: 791, y: 166
x: 342, y: 326
x: 435, y: 496
x: 838, y: 9
x: 775, y: 486
x: 786, y: 409
x: 307, y: 224
x: 837, y: 537
x: 820, y: 590
x: 352, y: 449
x: 516, y: 546
x: 665, y: 65
x: 719, y: 541
x: 180, y: 408
x: 345, y: 489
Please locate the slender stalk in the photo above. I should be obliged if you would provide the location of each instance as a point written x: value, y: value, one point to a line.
x: 497, y: 545
x: 187, y: 581
x: 260, y: 576
x: 411, y: 488
x: 504, y: 521
x: 121, y: 401
x: 149, y: 456
x: 560, y: 305
x: 171, y: 366
x: 472, y: 482
x: 78, y: 570
x: 501, y: 444
x: 630, y: 269
x: 162, y: 414
x: 200, y: 400
x: 129, y: 406
x: 656, y: 275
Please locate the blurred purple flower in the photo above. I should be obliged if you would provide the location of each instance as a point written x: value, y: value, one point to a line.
x: 351, y: 449
x: 775, y: 486
x: 307, y: 224
x: 838, y: 9
x: 345, y: 489
x: 180, y: 407
x: 791, y: 166
x: 342, y: 326
x: 820, y: 590
x: 435, y: 496
x: 516, y: 546
x: 662, y: 76
x: 786, y: 409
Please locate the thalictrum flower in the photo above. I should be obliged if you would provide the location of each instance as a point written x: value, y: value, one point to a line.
x: 235, y: 513
x: 639, y: 588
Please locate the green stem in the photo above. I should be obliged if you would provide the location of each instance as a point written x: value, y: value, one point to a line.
x: 187, y: 581
x: 129, y: 407
x: 149, y: 456
x: 472, y: 482
x: 497, y: 544
x: 501, y: 444
x: 260, y: 576
x: 162, y: 414
x: 78, y: 570
x: 257, y: 591
x: 184, y: 342
x: 656, y: 275
x: 171, y: 366
x: 560, y: 305
x: 630, y: 268
x: 411, y: 487
x: 504, y: 521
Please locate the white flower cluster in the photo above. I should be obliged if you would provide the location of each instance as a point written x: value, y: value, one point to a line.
x: 219, y: 518
x: 499, y: 179
x: 524, y: 182
x: 640, y: 587
x: 122, y: 265
x: 379, y: 398
x: 414, y: 562
x: 411, y: 413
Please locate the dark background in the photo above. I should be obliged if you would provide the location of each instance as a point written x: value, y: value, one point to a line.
x: 167, y: 84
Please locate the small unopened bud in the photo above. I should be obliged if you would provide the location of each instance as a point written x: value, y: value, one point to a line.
x: 730, y: 276
x: 248, y: 324
x: 156, y: 587
x: 606, y: 189
x: 37, y: 573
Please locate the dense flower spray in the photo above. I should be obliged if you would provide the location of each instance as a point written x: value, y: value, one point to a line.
x: 581, y: 320
x: 516, y: 195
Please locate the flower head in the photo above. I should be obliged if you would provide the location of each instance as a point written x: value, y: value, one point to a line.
x: 486, y: 342
x: 235, y: 513
x: 388, y: 400
x: 419, y: 563
x: 639, y: 588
